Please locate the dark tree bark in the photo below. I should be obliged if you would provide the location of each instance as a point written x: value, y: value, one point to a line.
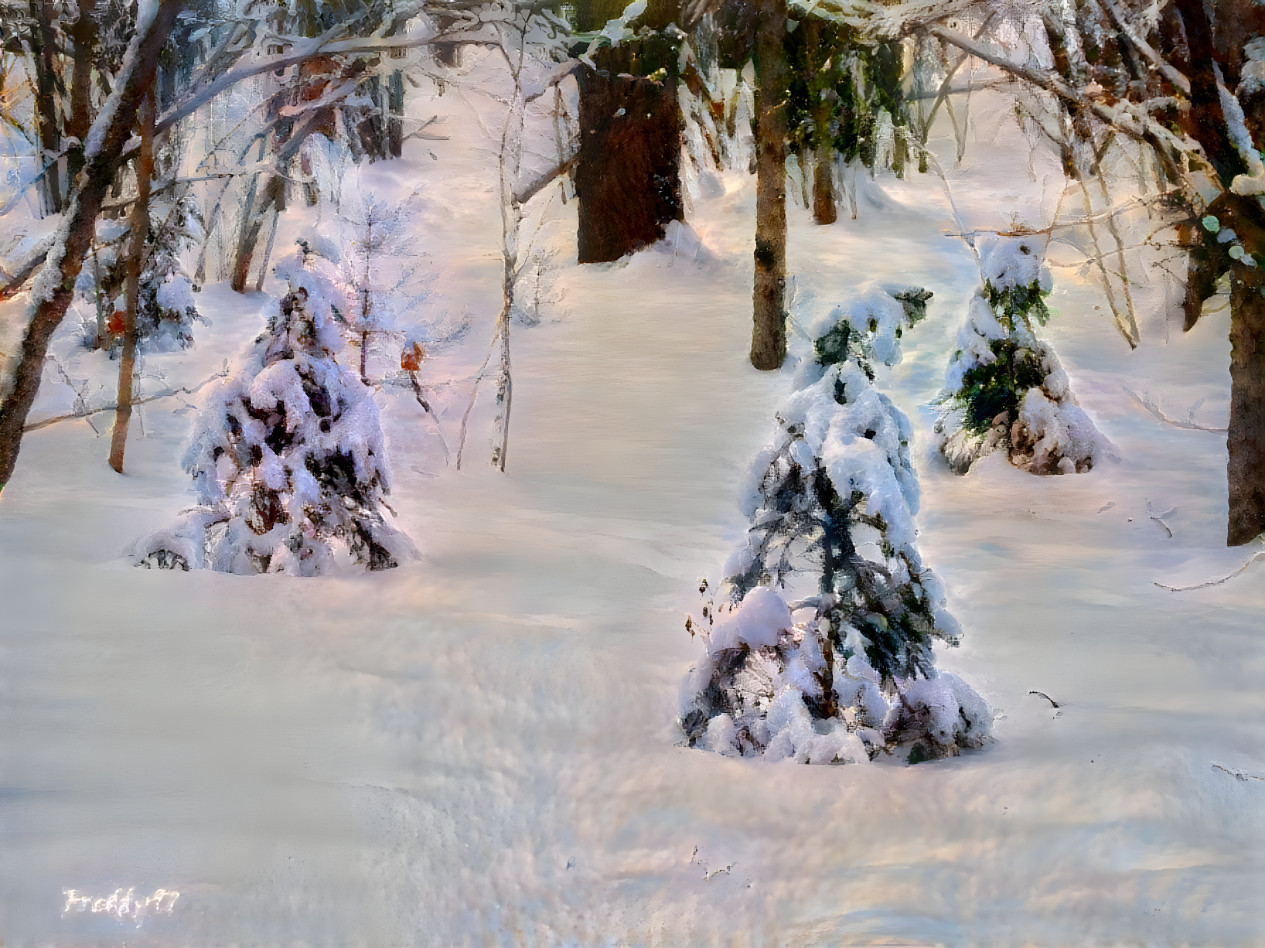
x: 627, y: 177
x: 84, y: 36
x: 768, y: 338
x: 44, y: 54
x: 85, y: 205
x: 824, y: 209
x: 395, y: 114
x: 139, y: 225
x: 1246, y: 439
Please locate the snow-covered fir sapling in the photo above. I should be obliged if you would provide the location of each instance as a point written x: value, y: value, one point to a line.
x: 821, y: 647
x: 1004, y: 386
x: 287, y: 455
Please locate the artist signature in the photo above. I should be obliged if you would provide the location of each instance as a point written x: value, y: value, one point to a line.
x: 121, y: 904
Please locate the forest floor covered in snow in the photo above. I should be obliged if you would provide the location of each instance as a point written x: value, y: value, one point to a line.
x: 480, y: 747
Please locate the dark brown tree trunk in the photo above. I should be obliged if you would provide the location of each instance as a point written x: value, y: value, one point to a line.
x: 84, y: 35
x: 824, y: 209
x: 1246, y: 439
x: 768, y: 338
x: 44, y: 53
x: 85, y: 205
x: 627, y: 177
x: 139, y: 225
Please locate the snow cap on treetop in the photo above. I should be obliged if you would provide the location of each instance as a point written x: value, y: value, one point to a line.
x: 1008, y: 262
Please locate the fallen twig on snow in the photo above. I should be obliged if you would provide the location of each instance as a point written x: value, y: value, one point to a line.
x: 1214, y: 582
x: 1237, y: 774
x: 1153, y: 407
x: 1053, y: 703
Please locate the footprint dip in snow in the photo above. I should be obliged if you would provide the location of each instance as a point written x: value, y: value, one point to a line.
x: 820, y: 649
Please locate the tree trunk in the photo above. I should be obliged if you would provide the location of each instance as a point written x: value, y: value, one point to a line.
x: 44, y: 54
x: 252, y: 224
x: 768, y: 338
x: 84, y: 35
x: 395, y: 110
x: 628, y: 169
x: 139, y: 226
x: 824, y: 210
x: 1246, y: 439
x: 49, y: 309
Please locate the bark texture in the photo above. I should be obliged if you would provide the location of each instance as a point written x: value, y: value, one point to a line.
x: 628, y: 170
x: 84, y: 36
x: 768, y: 337
x: 1246, y: 438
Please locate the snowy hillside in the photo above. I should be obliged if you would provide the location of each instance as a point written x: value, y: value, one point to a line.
x: 481, y: 747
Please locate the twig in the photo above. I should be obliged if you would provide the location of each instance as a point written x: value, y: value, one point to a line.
x: 421, y: 400
x: 14, y: 286
x: 1053, y: 703
x: 1214, y: 582
x: 1151, y: 406
x: 1240, y: 775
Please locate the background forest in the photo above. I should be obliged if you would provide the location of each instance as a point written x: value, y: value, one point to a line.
x: 457, y: 458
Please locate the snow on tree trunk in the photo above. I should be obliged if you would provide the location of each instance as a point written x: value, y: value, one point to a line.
x: 821, y: 648
x: 287, y: 456
x: 1006, y: 387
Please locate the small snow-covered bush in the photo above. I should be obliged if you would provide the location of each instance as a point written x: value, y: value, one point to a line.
x: 821, y: 647
x: 1005, y: 386
x: 287, y: 456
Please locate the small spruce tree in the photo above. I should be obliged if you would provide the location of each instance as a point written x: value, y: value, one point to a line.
x: 287, y: 456
x: 821, y: 648
x: 1006, y: 387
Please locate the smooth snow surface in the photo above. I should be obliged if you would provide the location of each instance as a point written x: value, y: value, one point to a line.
x: 480, y: 747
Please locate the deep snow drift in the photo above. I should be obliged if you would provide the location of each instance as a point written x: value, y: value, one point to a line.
x: 481, y: 747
